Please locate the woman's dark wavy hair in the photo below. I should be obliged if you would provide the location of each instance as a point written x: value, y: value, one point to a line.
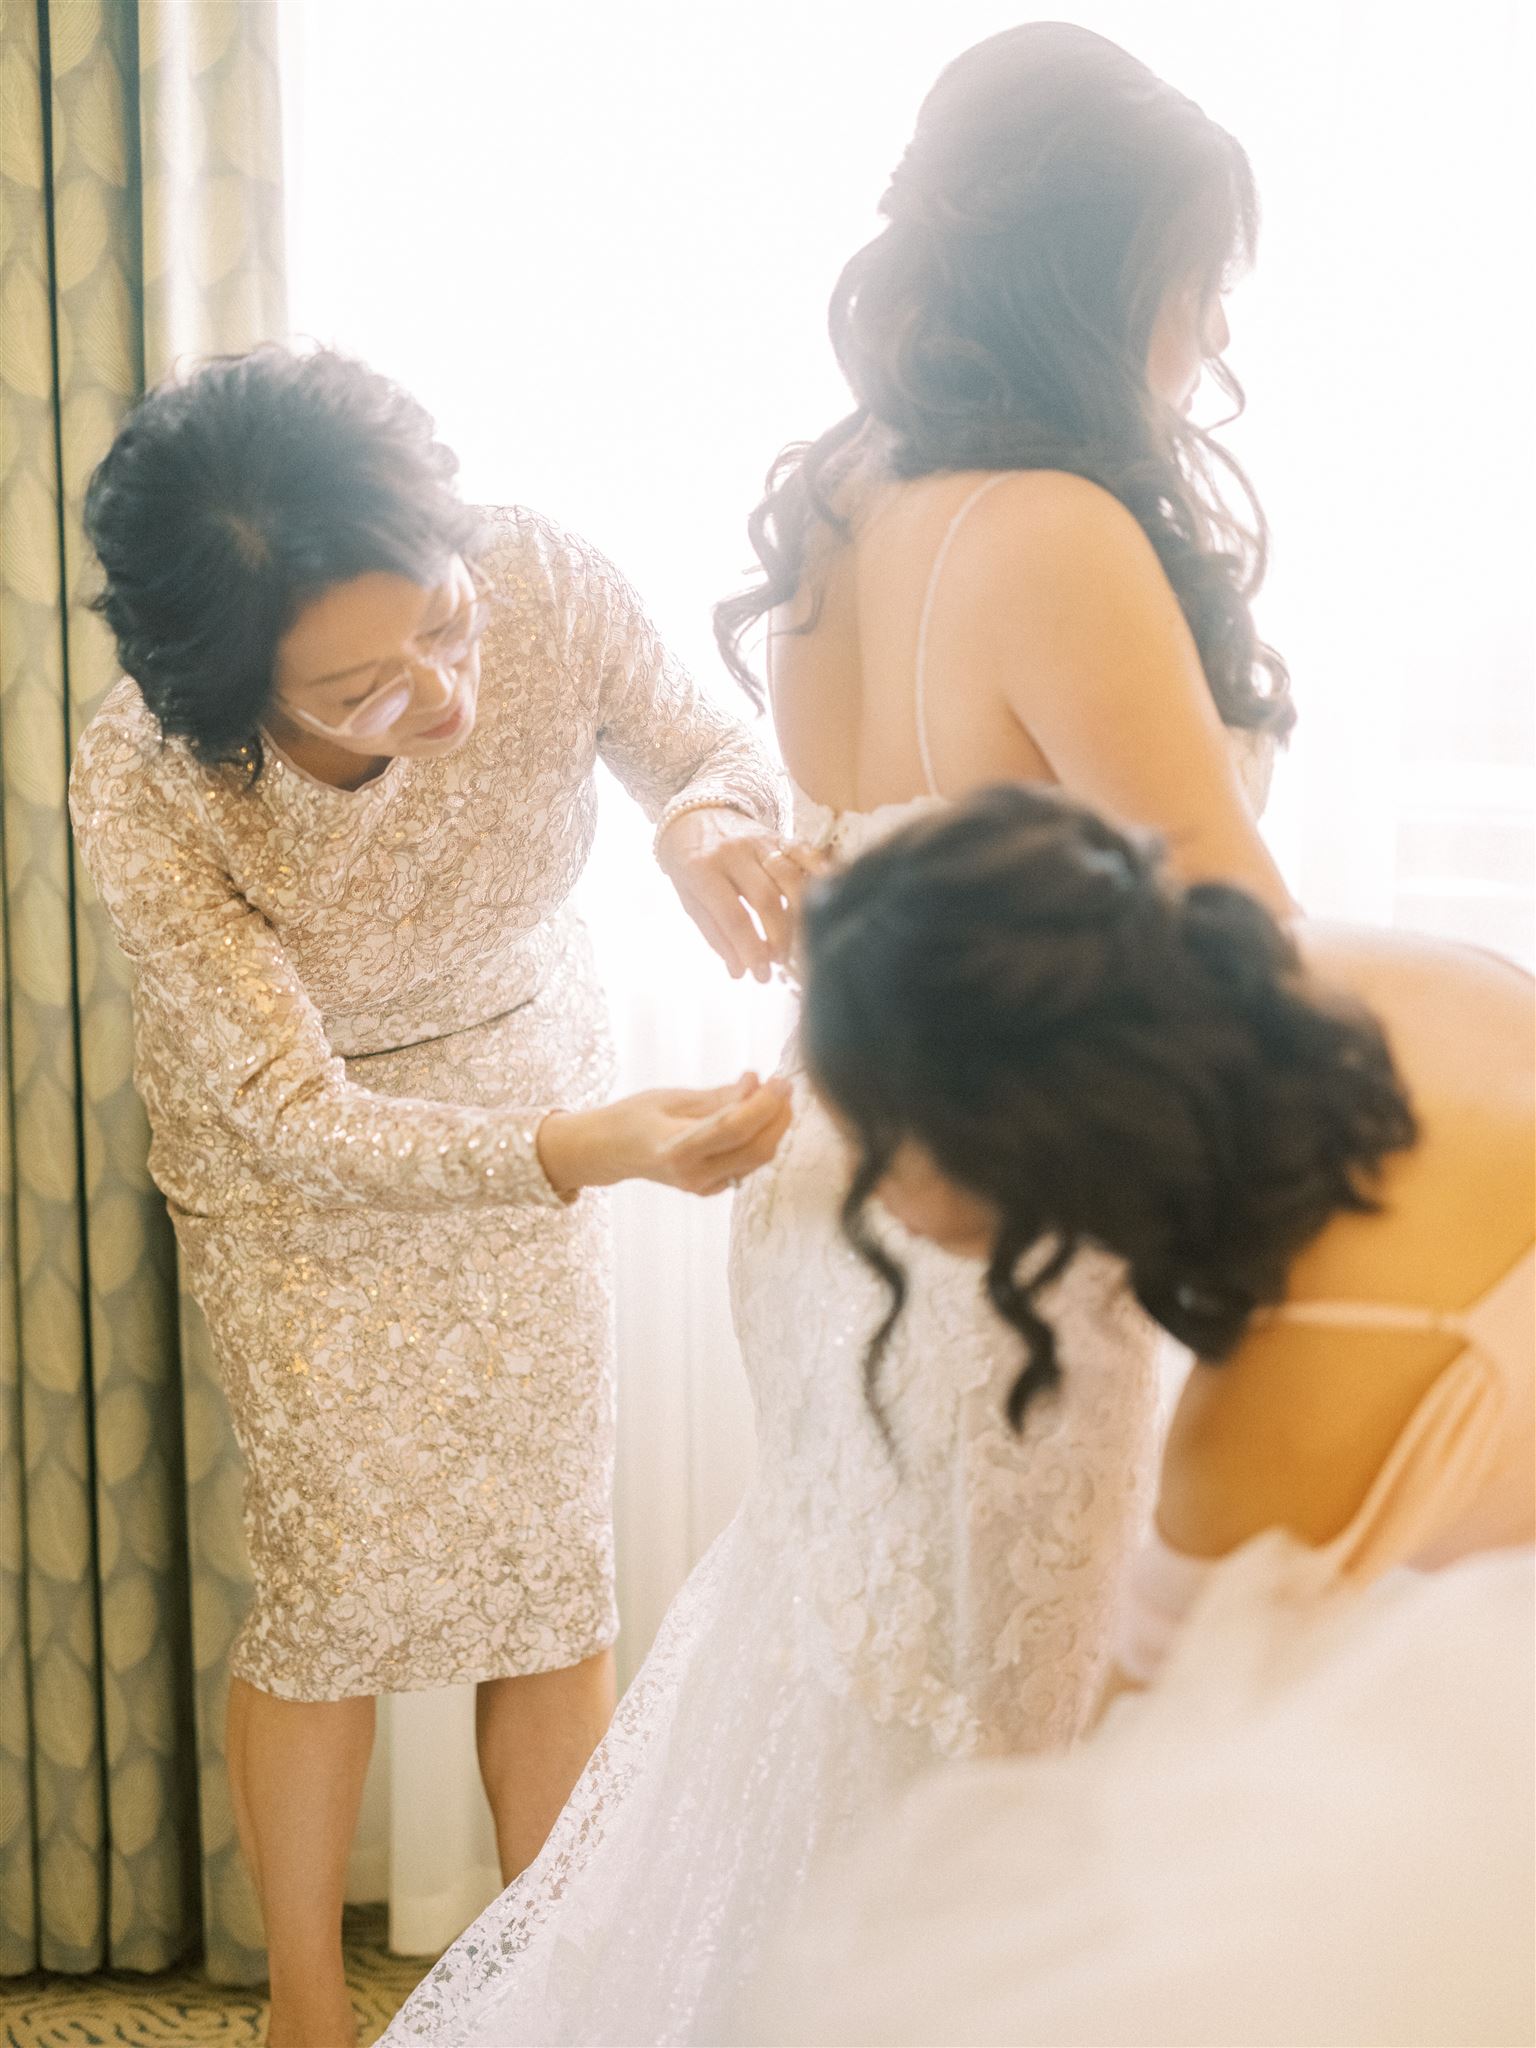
x: 1055, y: 193
x: 1102, y: 1056
x: 233, y: 497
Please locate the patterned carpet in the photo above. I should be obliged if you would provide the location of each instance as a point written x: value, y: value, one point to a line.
x: 179, y: 2010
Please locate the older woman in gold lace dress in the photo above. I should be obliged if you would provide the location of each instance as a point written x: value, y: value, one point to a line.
x: 335, y: 813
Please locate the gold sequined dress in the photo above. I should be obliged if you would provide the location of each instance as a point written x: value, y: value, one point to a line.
x: 352, y: 1009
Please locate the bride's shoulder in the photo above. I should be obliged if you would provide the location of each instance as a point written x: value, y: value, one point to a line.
x: 1052, y: 510
x: 1038, y: 553
x: 1015, y: 530
x: 986, y: 521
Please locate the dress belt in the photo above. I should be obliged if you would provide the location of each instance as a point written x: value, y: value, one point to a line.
x: 382, y: 1052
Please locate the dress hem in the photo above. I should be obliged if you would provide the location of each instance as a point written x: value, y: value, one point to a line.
x: 511, y: 1667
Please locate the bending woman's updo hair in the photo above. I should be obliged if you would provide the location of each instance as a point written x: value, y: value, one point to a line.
x: 1056, y: 192
x: 232, y: 498
x: 1107, y: 1059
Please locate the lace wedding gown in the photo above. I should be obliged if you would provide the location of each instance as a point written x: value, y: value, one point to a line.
x: 863, y: 1616
x: 1315, y: 1828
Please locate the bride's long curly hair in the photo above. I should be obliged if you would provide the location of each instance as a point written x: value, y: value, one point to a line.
x: 1103, y: 1057
x: 1054, y: 198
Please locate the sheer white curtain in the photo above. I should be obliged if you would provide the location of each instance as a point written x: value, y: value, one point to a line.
x: 597, y: 237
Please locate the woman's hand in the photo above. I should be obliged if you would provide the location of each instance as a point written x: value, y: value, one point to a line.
x: 699, y: 1140
x: 728, y: 870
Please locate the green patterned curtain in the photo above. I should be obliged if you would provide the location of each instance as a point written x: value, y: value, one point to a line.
x: 140, y: 223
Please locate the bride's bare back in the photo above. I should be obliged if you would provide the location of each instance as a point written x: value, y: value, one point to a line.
x: 1008, y: 625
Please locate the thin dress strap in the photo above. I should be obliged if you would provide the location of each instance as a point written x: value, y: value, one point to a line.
x: 1365, y: 1315
x: 920, y: 682
x: 1498, y: 1321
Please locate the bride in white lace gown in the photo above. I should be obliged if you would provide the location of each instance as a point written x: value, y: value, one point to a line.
x: 914, y: 1580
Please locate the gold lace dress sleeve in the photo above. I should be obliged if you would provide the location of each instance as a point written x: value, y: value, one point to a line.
x: 669, y: 746
x: 352, y: 1010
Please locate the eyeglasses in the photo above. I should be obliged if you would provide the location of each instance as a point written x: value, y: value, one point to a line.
x: 447, y: 651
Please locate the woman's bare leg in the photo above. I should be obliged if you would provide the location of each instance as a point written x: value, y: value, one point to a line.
x: 296, y: 1771
x: 236, y: 1716
x: 534, y: 1736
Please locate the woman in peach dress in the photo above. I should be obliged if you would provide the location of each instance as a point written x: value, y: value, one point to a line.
x: 1314, y: 1157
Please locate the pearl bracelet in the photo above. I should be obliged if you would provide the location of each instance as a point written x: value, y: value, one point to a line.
x: 681, y: 806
